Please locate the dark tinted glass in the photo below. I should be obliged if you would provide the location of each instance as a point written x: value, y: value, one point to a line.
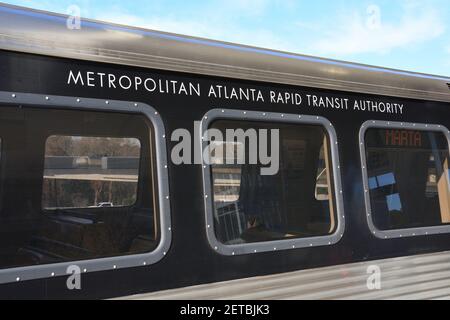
x: 297, y: 202
x: 408, y: 178
x: 75, y: 185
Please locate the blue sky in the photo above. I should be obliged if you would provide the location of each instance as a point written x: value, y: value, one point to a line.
x: 403, y: 34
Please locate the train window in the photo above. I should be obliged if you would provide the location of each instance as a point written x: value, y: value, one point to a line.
x: 408, y: 179
x: 78, y: 185
x: 297, y: 203
x: 90, y: 172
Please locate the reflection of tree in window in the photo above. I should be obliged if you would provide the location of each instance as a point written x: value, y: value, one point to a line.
x: 90, y: 171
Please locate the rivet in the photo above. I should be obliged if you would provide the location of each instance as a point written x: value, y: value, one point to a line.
x: 264, y: 114
x: 135, y: 104
x: 85, y: 270
x: 209, y: 226
x: 293, y: 247
x: 255, y: 251
x: 17, y: 279
x: 167, y: 197
x: 164, y: 136
x: 170, y: 229
x: 78, y: 100
x: 114, y: 267
x: 282, y: 115
x: 206, y: 196
x: 145, y: 263
x: 206, y: 118
x: 245, y: 112
x: 215, y: 248
x: 274, y: 249
x: 164, y: 253
x: 13, y: 95
x: 165, y: 167
x: 317, y: 118
x: 223, y: 111
x: 47, y: 98
x: 233, y: 253
x: 53, y: 274
x: 107, y: 102
x: 156, y: 112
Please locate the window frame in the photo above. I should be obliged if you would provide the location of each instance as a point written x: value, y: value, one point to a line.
x: 160, y: 168
x: 404, y: 232
x: 276, y: 245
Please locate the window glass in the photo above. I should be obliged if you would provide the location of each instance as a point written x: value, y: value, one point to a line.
x: 82, y: 172
x: 76, y: 185
x: 294, y: 203
x: 408, y: 178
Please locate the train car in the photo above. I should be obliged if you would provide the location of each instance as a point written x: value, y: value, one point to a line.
x: 106, y: 192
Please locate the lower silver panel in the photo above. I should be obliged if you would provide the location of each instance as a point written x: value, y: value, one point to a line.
x: 410, y: 278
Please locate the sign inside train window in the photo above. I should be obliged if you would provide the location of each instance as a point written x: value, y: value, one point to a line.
x: 403, y: 138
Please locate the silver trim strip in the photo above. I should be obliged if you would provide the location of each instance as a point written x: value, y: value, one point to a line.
x: 255, y: 248
x: 113, y: 263
x: 399, y: 233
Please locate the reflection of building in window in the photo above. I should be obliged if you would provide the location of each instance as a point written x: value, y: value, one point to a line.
x: 323, y: 184
x: 295, y: 203
x: 408, y: 178
x: 90, y: 171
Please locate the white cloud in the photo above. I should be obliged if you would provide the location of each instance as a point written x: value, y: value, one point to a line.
x: 353, y: 35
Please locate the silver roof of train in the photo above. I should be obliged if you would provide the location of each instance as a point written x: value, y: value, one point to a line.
x: 40, y: 32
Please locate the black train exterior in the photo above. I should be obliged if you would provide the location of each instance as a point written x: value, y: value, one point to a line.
x: 191, y: 260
